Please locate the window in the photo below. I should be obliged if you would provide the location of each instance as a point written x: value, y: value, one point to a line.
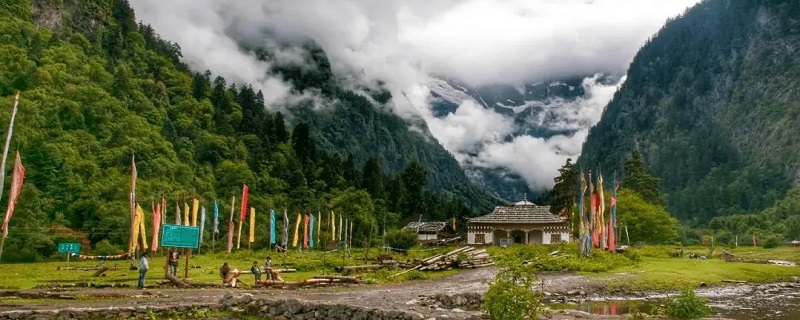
x: 480, y: 238
x: 555, y: 238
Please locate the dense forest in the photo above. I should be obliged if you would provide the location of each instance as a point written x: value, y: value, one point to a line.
x: 97, y: 88
x: 712, y: 103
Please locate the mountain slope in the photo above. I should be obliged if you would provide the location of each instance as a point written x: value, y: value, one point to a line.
x: 97, y: 88
x: 713, y: 104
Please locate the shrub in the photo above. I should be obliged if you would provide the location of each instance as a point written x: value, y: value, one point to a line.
x: 771, y: 242
x: 401, y: 239
x: 415, y: 275
x: 510, y: 296
x: 105, y: 248
x: 688, y: 306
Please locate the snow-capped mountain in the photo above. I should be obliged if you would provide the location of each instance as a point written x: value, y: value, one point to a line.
x: 558, y: 111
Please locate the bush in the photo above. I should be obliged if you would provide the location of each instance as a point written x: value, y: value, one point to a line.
x: 771, y: 242
x: 688, y: 306
x: 510, y: 296
x: 401, y: 239
x: 105, y: 248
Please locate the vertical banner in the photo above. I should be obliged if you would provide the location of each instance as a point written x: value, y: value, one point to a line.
x: 230, y: 224
x: 156, y: 227
x: 306, y: 221
x: 177, y: 213
x: 16, y: 187
x: 296, y: 231
x: 216, y: 217
x: 272, y: 227
x: 202, y: 223
x: 186, y: 214
x: 601, y: 212
x: 195, y: 205
x: 612, y: 223
x: 318, y: 222
x: 142, y: 234
x: 252, y: 235
x: 341, y: 221
x: 333, y: 226
x: 285, y: 237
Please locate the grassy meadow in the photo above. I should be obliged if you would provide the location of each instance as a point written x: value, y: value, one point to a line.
x: 205, y: 267
x: 640, y: 269
x: 653, y: 269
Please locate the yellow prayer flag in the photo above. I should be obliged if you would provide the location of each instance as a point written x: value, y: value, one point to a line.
x: 186, y: 214
x: 333, y: 226
x: 195, y: 205
x: 252, y: 224
x: 142, y: 234
x: 296, y: 231
x: 135, y: 228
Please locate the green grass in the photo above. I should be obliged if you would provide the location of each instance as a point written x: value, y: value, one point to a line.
x: 652, y: 269
x: 307, y: 264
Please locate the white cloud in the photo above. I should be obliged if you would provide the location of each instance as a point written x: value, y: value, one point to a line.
x: 404, y: 42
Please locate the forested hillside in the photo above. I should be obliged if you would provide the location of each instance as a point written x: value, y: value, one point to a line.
x: 96, y: 88
x: 712, y: 102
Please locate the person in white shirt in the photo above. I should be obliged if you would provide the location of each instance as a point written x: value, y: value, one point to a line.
x: 144, y: 265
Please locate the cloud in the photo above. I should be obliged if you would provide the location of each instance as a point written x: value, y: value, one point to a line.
x: 538, y: 159
x: 405, y: 42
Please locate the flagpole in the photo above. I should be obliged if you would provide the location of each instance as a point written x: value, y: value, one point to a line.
x: 5, y: 149
x: 3, y: 164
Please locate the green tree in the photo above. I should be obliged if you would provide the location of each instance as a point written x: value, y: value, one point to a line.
x: 639, y: 181
x: 565, y: 191
x: 357, y: 206
x: 646, y: 222
x: 413, y: 177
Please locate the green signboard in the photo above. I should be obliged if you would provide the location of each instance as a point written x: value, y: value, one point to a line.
x: 177, y: 236
x: 69, y: 247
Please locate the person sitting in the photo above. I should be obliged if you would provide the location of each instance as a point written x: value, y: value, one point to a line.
x: 228, y: 276
x: 256, y: 270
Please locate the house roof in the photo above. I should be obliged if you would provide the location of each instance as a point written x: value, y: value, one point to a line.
x: 435, y: 226
x: 520, y: 212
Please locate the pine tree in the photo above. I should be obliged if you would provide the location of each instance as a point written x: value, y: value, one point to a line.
x: 637, y: 179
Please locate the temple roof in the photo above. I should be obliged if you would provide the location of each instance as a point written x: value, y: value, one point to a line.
x: 520, y: 212
x: 426, y: 226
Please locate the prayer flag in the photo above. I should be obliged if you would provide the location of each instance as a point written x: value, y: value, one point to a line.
x: 202, y: 223
x: 612, y: 223
x: 216, y: 217
x: 252, y: 237
x: 156, y: 227
x: 319, y: 224
x: 230, y: 225
x: 177, y: 213
x: 333, y: 226
x: 243, y: 212
x: 186, y: 214
x: 285, y: 237
x: 195, y: 205
x: 311, y: 232
x: 296, y: 231
x: 601, y: 212
x: 142, y: 234
x: 306, y: 221
x: 341, y: 221
x: 272, y: 227
x: 16, y: 187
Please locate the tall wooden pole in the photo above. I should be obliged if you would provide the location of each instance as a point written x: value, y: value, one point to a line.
x: 8, y: 141
x: 3, y: 164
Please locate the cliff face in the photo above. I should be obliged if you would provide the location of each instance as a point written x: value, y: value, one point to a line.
x: 712, y: 103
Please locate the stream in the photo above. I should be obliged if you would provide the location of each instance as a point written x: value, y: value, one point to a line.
x: 767, y: 301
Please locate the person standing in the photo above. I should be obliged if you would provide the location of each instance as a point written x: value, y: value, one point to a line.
x: 173, y: 263
x: 144, y: 265
x: 268, y: 268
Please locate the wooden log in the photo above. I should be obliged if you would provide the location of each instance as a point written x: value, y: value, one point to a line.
x: 99, y: 272
x: 336, y: 278
x: 177, y: 281
x: 733, y: 281
x: 397, y: 274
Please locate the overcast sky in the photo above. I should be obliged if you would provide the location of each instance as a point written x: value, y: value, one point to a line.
x: 404, y: 42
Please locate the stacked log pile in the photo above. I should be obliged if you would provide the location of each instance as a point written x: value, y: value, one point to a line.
x: 464, y: 257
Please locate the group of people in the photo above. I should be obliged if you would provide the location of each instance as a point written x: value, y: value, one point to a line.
x: 229, y: 277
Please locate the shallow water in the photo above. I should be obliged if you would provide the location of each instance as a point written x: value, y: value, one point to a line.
x: 777, y: 301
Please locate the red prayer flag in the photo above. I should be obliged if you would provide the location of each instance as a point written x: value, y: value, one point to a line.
x: 243, y: 213
x: 156, y: 227
x: 16, y: 186
x: 306, y: 220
